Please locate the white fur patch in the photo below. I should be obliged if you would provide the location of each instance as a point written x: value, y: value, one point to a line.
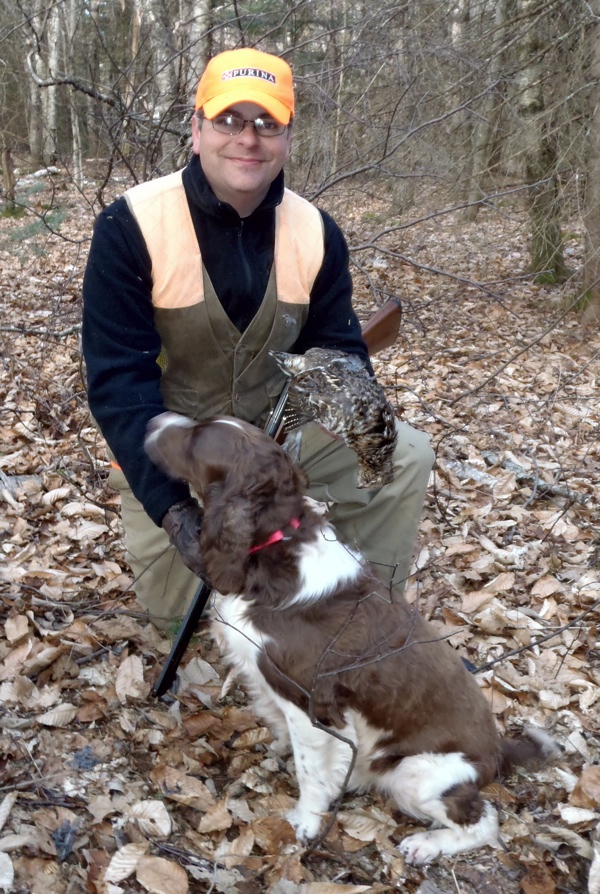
x: 322, y: 762
x: 547, y: 745
x: 240, y: 639
x: 231, y: 422
x: 418, y: 782
x: 241, y: 643
x: 324, y: 564
x: 423, y: 847
x: 165, y: 420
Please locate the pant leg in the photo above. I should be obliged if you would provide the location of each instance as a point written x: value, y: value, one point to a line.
x: 163, y: 585
x: 382, y: 523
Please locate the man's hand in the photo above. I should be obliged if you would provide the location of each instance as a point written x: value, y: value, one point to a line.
x: 183, y: 522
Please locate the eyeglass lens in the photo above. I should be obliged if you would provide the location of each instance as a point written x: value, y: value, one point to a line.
x: 231, y: 123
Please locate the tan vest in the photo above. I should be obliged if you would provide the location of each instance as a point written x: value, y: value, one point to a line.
x: 209, y: 367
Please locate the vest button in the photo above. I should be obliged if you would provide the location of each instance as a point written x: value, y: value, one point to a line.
x: 237, y: 397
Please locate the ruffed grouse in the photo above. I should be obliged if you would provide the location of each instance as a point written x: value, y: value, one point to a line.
x: 335, y: 390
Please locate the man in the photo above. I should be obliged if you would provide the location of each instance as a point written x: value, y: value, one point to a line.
x: 191, y: 280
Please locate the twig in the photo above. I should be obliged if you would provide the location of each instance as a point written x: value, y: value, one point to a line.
x: 522, y: 474
x: 539, y: 641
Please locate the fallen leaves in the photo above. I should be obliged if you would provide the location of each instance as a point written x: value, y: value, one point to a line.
x: 118, y: 793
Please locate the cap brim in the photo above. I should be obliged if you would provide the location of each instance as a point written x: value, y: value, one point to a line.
x: 270, y: 104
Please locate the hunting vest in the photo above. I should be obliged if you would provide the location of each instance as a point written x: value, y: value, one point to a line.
x: 208, y: 366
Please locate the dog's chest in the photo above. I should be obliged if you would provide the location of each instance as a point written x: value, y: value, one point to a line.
x: 238, y: 638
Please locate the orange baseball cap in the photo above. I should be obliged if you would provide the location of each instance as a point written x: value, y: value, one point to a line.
x: 247, y: 75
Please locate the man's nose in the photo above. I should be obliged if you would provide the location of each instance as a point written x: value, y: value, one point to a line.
x: 248, y: 133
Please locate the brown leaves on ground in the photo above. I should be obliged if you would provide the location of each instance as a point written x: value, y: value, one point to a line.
x: 104, y: 790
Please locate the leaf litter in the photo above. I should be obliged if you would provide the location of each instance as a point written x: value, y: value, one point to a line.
x: 106, y: 790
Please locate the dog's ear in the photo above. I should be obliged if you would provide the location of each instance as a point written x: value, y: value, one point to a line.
x: 168, y: 443
x: 276, y: 476
x: 226, y: 537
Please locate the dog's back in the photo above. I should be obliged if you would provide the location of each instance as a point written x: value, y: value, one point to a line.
x: 363, y: 649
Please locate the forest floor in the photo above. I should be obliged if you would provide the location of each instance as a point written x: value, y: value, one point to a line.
x: 104, y: 789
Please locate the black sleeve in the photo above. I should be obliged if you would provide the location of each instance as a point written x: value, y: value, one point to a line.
x: 332, y: 321
x: 121, y: 347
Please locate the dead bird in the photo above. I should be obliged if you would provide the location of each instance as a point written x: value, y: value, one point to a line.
x: 336, y: 390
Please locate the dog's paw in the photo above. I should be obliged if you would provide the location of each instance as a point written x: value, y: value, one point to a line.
x: 422, y: 847
x: 305, y: 824
x: 281, y: 746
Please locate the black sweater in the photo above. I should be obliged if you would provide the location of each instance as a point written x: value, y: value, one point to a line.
x: 121, y: 345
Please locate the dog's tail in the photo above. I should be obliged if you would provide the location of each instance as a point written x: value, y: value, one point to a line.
x: 533, y: 745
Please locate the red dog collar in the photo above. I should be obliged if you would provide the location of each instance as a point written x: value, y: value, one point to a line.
x: 276, y: 537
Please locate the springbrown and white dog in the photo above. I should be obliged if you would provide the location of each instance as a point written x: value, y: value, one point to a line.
x: 353, y: 676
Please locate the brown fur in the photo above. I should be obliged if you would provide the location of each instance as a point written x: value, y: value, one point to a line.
x: 359, y: 647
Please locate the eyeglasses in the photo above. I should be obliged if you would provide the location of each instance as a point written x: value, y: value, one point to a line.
x: 232, y: 124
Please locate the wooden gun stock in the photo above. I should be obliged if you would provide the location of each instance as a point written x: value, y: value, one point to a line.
x: 381, y: 329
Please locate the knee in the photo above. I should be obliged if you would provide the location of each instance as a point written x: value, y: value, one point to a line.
x: 414, y: 453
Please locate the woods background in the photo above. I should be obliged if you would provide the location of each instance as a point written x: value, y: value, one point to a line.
x: 432, y: 103
x: 458, y: 146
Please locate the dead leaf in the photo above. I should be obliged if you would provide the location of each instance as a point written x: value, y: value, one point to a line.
x: 129, y: 682
x: 53, y: 496
x: 575, y: 816
x: 181, y: 787
x: 587, y: 791
x: 362, y: 825
x: 538, y: 880
x: 14, y: 660
x: 594, y: 876
x: 16, y: 628
x: 232, y: 853
x: 216, y: 819
x: 252, y: 737
x: 330, y: 888
x: 152, y: 817
x: 125, y: 861
x: 546, y: 586
x: 272, y: 834
x: 160, y: 876
x: 7, y: 805
x: 7, y: 872
x: 60, y: 716
x: 100, y: 806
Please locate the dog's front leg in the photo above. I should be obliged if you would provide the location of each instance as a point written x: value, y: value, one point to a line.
x: 322, y: 763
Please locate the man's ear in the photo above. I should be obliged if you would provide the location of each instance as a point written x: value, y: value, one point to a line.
x: 196, y: 133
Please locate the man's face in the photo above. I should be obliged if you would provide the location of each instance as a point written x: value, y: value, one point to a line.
x: 241, y: 168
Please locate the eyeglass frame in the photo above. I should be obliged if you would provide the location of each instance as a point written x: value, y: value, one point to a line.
x: 243, y: 122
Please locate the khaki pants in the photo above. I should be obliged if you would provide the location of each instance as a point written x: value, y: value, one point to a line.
x: 381, y: 524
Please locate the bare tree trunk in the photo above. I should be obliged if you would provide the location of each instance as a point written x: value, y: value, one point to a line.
x: 34, y: 107
x: 50, y: 94
x: 201, y: 39
x: 591, y: 219
x: 70, y: 17
x: 165, y: 78
x: 341, y: 62
x: 8, y: 172
x: 540, y: 156
x: 484, y: 128
x: 34, y: 123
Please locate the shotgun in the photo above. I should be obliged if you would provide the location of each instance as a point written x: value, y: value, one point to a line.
x: 380, y: 331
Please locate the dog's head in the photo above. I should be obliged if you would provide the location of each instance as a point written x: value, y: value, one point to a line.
x: 248, y: 486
